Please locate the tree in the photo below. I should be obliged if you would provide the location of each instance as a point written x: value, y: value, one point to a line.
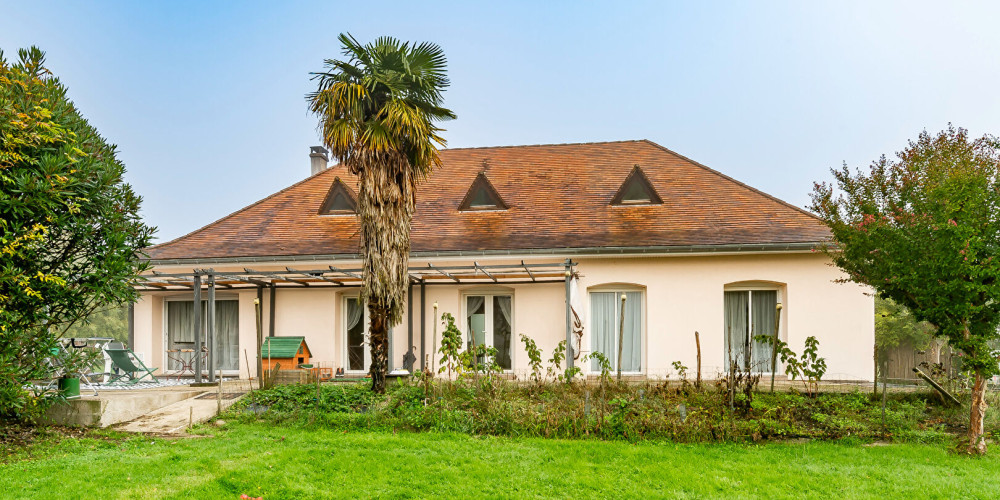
x: 70, y: 232
x: 110, y: 322
x: 923, y: 230
x: 895, y: 325
x: 377, y: 111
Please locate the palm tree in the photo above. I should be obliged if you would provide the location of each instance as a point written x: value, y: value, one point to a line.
x: 377, y: 111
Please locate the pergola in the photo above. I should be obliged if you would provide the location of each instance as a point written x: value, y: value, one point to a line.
x: 208, y: 280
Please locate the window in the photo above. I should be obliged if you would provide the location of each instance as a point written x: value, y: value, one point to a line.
x: 606, y: 326
x: 482, y: 196
x: 340, y: 200
x: 636, y: 190
x: 180, y: 332
x: 489, y: 322
x: 749, y: 313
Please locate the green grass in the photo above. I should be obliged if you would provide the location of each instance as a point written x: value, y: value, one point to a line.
x: 299, y: 462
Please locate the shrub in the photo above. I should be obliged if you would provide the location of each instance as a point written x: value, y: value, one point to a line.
x: 618, y: 412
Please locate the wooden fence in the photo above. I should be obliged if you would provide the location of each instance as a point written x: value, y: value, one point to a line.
x: 898, y: 363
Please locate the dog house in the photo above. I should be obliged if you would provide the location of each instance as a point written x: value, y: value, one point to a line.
x: 289, y: 352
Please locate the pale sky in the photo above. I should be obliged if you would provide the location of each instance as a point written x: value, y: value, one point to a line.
x: 206, y: 99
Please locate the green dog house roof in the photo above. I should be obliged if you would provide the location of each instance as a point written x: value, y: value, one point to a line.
x: 284, y: 347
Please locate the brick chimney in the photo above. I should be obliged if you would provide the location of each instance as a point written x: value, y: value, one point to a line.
x: 318, y: 159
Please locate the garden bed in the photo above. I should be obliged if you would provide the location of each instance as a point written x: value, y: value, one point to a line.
x: 626, y: 411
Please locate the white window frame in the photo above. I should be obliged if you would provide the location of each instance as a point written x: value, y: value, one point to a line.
x: 757, y: 286
x: 165, y: 341
x: 619, y: 289
x: 489, y: 293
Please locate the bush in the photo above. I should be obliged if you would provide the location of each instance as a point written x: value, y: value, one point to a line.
x: 614, y: 411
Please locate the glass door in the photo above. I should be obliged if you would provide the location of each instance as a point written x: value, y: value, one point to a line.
x: 359, y: 356
x: 489, y: 321
x: 180, y: 334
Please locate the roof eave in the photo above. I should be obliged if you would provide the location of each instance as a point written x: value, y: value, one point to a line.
x: 738, y: 248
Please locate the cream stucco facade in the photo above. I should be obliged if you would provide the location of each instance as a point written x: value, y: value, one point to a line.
x: 681, y: 294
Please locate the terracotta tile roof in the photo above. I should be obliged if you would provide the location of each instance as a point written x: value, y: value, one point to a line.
x: 558, y: 195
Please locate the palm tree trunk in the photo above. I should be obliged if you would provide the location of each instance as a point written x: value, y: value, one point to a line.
x: 977, y: 439
x: 385, y: 209
x: 379, y: 339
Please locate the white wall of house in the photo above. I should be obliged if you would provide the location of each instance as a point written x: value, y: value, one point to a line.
x: 681, y: 295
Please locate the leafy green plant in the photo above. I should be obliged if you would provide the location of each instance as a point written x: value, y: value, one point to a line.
x: 534, y: 357
x: 451, y: 345
x: 681, y: 371
x: 570, y: 373
x: 479, y: 360
x: 603, y: 364
x: 813, y: 367
x: 70, y: 231
x: 809, y: 367
x: 554, y: 369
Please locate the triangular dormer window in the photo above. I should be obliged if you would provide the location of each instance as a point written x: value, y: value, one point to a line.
x: 636, y: 190
x: 482, y: 196
x: 340, y: 200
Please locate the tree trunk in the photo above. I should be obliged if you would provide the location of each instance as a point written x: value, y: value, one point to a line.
x: 977, y: 438
x: 379, y: 340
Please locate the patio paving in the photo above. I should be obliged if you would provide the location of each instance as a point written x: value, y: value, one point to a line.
x: 161, y: 408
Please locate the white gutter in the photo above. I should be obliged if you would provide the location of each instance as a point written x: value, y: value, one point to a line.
x: 562, y: 253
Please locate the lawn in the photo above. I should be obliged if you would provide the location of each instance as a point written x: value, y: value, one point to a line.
x: 297, y: 462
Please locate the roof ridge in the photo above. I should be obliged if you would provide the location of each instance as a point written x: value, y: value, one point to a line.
x: 244, y: 209
x: 731, y: 179
x: 509, y: 146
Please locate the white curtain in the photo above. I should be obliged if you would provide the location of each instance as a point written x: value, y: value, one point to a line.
x: 180, y: 329
x: 632, y: 333
x: 503, y: 301
x: 502, y: 330
x: 736, y: 304
x: 472, y: 306
x: 180, y: 322
x: 355, y: 313
x: 603, y: 319
x: 763, y: 310
x: 227, y: 334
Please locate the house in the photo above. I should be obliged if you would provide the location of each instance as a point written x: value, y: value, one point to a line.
x: 577, y: 242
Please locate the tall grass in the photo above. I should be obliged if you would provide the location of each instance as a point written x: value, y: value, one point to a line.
x: 609, y: 410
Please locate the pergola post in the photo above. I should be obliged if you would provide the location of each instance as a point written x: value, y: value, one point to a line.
x: 259, y: 317
x: 409, y: 357
x: 270, y: 311
x: 569, y: 317
x: 210, y: 329
x: 423, y: 325
x: 197, y: 328
x: 131, y: 325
